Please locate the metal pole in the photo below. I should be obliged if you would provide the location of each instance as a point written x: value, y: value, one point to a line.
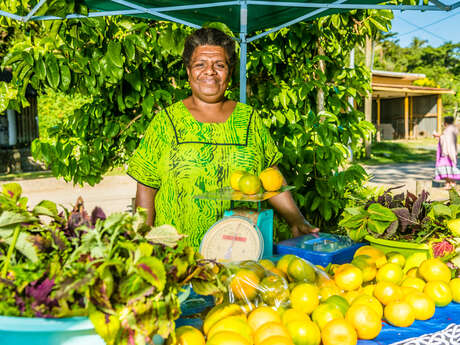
x: 243, y: 49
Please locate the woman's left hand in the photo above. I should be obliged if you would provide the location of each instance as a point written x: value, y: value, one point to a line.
x: 303, y: 228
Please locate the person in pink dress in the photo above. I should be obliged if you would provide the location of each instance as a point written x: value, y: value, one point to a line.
x: 446, y: 154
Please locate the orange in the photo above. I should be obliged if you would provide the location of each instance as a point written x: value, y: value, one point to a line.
x: 396, y: 258
x: 414, y: 282
x: 370, y: 301
x: 367, y: 267
x: 324, y: 313
x: 387, y: 292
x: 439, y: 291
x: 407, y: 290
x: 348, y: 277
x: 365, y: 321
x: 434, y: 269
x: 244, y: 284
x: 399, y: 314
x: 277, y: 340
x: 390, y: 273
x: 235, y: 179
x: 249, y: 184
x: 267, y: 264
x: 305, y: 297
x: 278, y: 272
x: 422, y: 305
x: 232, y: 324
x: 188, y: 335
x: 274, y: 290
x: 300, y: 270
x: 283, y: 263
x: 412, y: 272
x: 228, y: 338
x: 219, y: 312
x: 262, y: 315
x: 269, y: 329
x: 271, y: 178
x: 339, y: 303
x: 253, y: 266
x: 374, y: 253
x: 304, y: 332
x: 291, y: 315
x: 339, y: 332
x: 454, y: 285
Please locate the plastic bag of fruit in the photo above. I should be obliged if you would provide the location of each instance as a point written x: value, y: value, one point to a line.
x: 270, y: 282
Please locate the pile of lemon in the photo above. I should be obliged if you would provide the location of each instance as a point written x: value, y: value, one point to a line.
x: 270, y: 179
x: 292, y: 302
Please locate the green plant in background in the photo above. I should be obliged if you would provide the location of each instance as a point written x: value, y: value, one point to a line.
x: 130, y: 68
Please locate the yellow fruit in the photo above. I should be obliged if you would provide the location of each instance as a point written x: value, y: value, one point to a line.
x: 399, y: 314
x: 271, y: 178
x: 413, y: 282
x: 348, y: 277
x: 390, y: 273
x: 387, y: 292
x: 305, y: 297
x: 220, y: 312
x: 412, y: 272
x: 228, y: 338
x: 414, y: 260
x: 249, y: 184
x: 235, y: 179
x: 267, y: 264
x: 324, y: 313
x: 277, y: 340
x: 291, y: 315
x: 244, y: 284
x: 262, y: 315
x: 422, y: 305
x: 454, y: 285
x: 350, y: 296
x: 370, y: 301
x: 274, y: 290
x: 407, y: 290
x: 368, y: 289
x: 283, y: 263
x: 300, y: 270
x: 454, y: 227
x: 367, y: 267
x: 339, y: 332
x: 269, y: 329
x: 339, y: 303
x: 396, y: 258
x: 232, y: 324
x: 188, y: 335
x: 439, y: 291
x: 278, y: 272
x: 434, y: 269
x: 253, y: 266
x: 304, y: 332
x: 373, y: 252
x: 365, y: 321
x: 328, y: 291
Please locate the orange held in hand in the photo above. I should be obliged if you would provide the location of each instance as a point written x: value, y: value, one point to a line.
x: 235, y: 179
x: 272, y: 180
x: 249, y: 184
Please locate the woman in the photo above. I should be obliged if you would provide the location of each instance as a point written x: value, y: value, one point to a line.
x: 446, y: 154
x: 194, y: 145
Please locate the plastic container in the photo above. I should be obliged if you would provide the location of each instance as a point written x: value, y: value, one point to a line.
x: 405, y: 248
x: 322, y: 249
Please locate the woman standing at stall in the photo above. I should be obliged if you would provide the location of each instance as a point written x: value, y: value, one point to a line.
x: 194, y: 145
x: 446, y: 154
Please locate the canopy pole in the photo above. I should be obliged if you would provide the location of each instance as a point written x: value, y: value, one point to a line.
x: 34, y: 10
x: 243, y: 49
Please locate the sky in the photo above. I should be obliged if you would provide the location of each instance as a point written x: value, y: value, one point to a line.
x: 437, y: 27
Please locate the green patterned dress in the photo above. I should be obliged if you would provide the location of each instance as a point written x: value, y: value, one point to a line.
x: 182, y: 157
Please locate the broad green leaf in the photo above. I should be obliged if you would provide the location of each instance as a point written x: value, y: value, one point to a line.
x: 203, y: 287
x: 45, y: 207
x: 379, y: 212
x: 164, y: 234
x: 106, y: 325
x: 440, y: 210
x: 152, y: 270
x: 12, y: 190
x: 9, y: 218
x: 376, y: 226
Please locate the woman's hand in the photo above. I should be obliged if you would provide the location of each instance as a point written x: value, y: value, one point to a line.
x: 303, y: 228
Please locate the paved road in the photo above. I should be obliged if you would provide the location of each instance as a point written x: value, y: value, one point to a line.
x: 114, y: 193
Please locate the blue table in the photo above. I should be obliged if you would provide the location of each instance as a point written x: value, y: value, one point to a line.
x: 443, y: 317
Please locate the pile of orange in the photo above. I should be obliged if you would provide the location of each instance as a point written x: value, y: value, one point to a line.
x: 292, y: 302
x: 270, y: 179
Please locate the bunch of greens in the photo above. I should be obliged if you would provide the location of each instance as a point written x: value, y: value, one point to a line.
x: 403, y: 216
x: 123, y: 274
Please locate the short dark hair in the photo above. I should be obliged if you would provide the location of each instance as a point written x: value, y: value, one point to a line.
x: 212, y: 37
x: 449, y: 120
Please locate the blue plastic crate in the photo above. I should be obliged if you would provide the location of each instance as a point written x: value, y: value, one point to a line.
x: 322, y: 249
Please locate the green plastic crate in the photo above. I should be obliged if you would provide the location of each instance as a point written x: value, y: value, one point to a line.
x: 405, y: 248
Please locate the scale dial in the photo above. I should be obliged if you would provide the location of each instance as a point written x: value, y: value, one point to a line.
x: 232, y: 239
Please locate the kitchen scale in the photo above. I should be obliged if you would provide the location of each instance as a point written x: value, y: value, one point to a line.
x: 241, y: 234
